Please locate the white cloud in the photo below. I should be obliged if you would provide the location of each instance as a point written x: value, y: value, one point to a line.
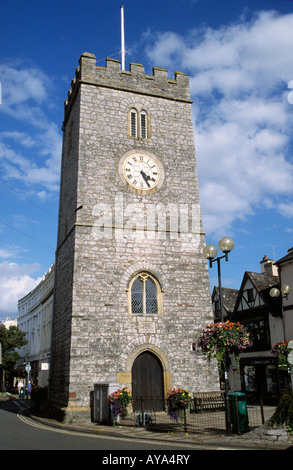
x: 16, y: 281
x: 239, y: 76
x: 21, y: 137
x: 5, y: 253
x: 19, y: 85
x: 286, y: 210
x: 32, y: 156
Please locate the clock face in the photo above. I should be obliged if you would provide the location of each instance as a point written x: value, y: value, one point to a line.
x: 141, y: 171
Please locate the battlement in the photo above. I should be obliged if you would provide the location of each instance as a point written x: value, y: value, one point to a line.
x: 135, y: 80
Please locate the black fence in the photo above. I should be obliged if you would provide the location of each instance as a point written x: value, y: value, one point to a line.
x: 209, y: 419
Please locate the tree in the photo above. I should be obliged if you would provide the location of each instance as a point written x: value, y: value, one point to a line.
x: 11, y: 338
x: 284, y: 411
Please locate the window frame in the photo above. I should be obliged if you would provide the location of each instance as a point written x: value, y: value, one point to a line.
x: 133, y: 123
x: 143, y: 126
x: 258, y: 327
x: 139, y: 118
x: 144, y: 276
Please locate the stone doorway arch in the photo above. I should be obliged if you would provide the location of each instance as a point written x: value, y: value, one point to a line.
x: 124, y: 377
x: 147, y: 382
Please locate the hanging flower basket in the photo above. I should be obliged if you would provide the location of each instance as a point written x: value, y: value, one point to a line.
x: 280, y: 351
x: 119, y: 401
x: 178, y: 400
x: 221, y: 339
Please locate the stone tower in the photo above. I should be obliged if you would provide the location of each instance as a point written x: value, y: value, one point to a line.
x: 132, y: 288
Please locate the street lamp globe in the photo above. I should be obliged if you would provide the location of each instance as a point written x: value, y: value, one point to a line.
x: 274, y: 292
x: 285, y: 289
x: 226, y: 244
x: 210, y: 251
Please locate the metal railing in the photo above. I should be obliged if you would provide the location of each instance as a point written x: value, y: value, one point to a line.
x: 153, y: 414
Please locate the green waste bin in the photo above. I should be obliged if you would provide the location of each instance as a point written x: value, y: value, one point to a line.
x: 239, y: 415
x: 22, y: 392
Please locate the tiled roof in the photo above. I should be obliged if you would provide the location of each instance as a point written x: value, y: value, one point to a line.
x: 287, y: 257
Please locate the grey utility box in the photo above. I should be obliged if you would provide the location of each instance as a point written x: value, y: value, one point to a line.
x: 101, y: 401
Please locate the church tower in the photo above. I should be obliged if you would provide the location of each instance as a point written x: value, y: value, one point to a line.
x: 132, y: 287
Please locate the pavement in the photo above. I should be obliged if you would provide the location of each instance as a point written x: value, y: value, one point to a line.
x: 253, y: 440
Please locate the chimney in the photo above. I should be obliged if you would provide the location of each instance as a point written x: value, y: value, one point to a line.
x: 268, y: 266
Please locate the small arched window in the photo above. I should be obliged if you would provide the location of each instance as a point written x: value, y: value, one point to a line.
x: 145, y: 295
x: 139, y: 123
x: 133, y: 123
x: 143, y: 125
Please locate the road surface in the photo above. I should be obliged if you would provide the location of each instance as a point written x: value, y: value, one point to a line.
x: 18, y: 432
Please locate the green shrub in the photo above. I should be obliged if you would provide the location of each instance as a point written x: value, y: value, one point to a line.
x: 284, y: 411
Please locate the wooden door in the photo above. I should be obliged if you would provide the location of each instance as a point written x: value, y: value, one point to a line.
x: 147, y: 383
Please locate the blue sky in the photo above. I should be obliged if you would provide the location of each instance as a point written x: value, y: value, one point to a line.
x: 239, y: 57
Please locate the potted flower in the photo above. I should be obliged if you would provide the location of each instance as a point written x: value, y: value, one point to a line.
x: 221, y: 339
x: 280, y: 351
x: 178, y: 400
x: 119, y: 401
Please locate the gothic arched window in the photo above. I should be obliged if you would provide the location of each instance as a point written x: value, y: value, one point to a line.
x: 145, y: 295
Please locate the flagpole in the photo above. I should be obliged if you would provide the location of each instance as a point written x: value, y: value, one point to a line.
x: 122, y: 40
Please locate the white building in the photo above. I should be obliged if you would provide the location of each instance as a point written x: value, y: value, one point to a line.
x: 35, y: 319
x: 8, y: 322
x: 285, y: 268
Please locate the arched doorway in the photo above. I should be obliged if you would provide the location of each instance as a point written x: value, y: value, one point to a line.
x: 147, y: 383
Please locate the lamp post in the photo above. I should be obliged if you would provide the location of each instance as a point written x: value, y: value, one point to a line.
x: 285, y: 291
x: 226, y: 245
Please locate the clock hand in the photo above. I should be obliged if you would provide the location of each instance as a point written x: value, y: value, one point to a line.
x: 145, y: 177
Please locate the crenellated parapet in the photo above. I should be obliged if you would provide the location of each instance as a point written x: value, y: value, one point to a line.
x: 135, y: 80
